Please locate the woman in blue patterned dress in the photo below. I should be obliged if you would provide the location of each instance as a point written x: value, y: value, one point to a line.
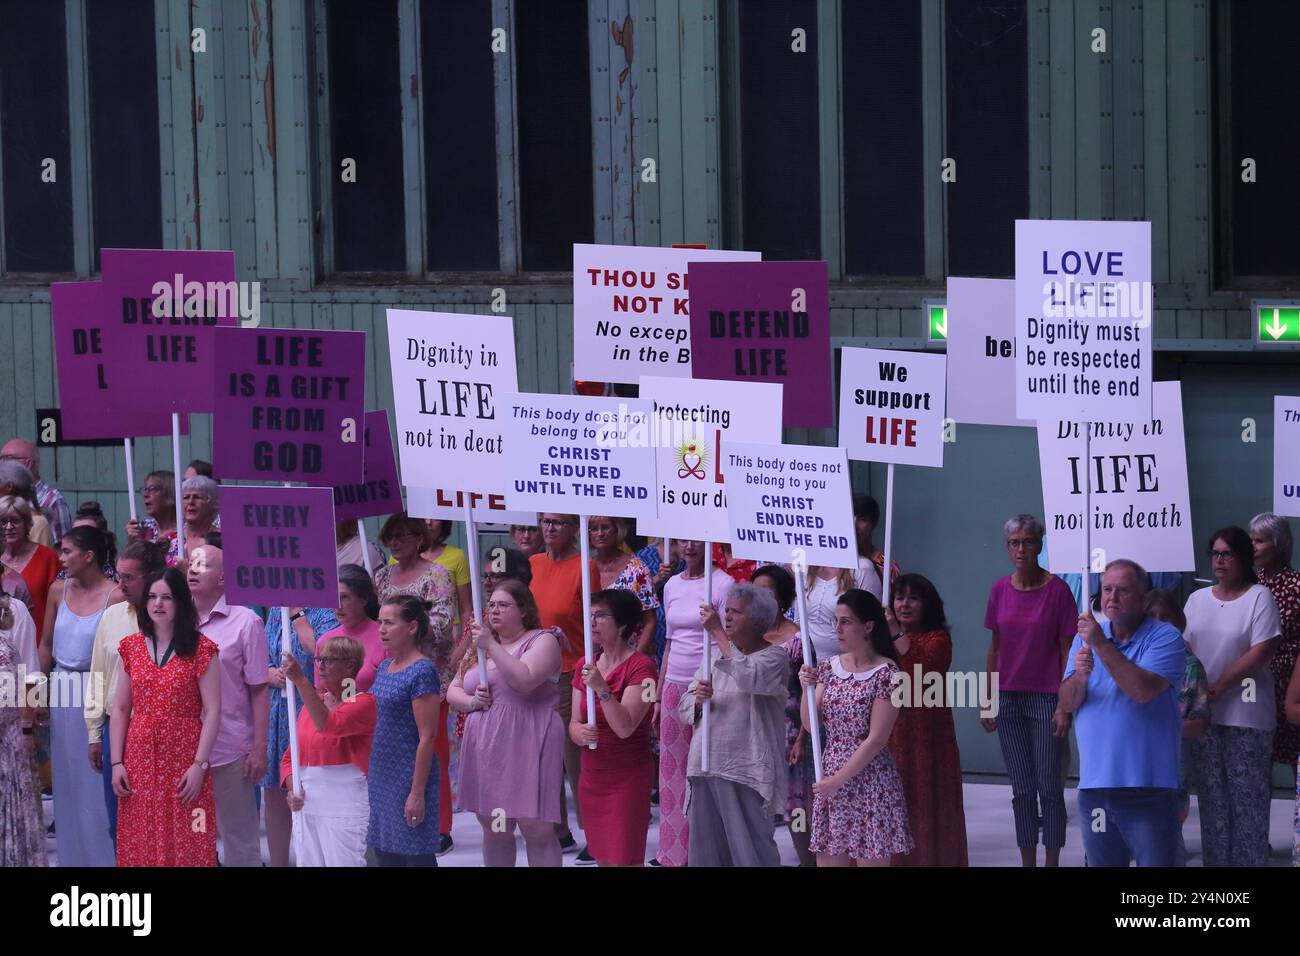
x: 403, y: 778
x: 308, y: 626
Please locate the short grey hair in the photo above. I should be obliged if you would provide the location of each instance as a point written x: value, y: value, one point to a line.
x: 204, y: 486
x: 1139, y: 573
x: 19, y: 477
x: 760, y: 605
x: 1277, y: 529
x: 1024, y: 523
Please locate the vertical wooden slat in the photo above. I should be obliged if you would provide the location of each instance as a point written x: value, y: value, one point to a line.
x: 238, y: 127
x: 644, y: 82
x: 1063, y: 112
x: 210, y: 127
x: 547, y: 358
x: 1183, y: 186
x: 829, y: 115
x: 1040, y: 110
x: 733, y: 219
x: 1189, y: 323
x: 625, y: 165
x: 182, y: 117
x: 602, y: 124
x: 710, y: 102
x: 866, y: 323
x: 507, y: 136
x: 1127, y: 99
x: 1214, y: 324
x: 932, y: 141
x: 79, y: 158
x: 889, y: 323
x: 564, y: 341
x: 292, y: 195
x: 1201, y: 143
x: 1087, y: 113
x: 1155, y: 145
x: 262, y: 106
x: 700, y: 157
x: 408, y: 21
x: 166, y: 129
x: 525, y: 319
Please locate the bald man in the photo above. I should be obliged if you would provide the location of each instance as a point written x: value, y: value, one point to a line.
x: 51, y: 502
x: 239, y: 755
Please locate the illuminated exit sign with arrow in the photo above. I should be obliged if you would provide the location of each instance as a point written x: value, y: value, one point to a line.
x: 1277, y: 324
x: 936, y: 322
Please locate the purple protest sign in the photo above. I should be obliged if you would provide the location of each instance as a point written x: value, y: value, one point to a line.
x: 766, y: 322
x: 161, y: 308
x: 278, y: 545
x: 289, y: 405
x: 85, y: 375
x: 380, y: 490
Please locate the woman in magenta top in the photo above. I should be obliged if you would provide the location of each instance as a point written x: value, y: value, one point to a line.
x: 1033, y: 619
x: 358, y: 614
x: 619, y: 774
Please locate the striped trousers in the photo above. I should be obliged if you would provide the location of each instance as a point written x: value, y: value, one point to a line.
x: 1033, y: 760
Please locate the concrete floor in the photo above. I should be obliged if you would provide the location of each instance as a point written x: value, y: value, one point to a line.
x: 989, y: 831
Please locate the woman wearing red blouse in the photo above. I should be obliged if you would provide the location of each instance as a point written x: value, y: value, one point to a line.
x: 618, y: 775
x: 334, y: 736
x: 924, y: 741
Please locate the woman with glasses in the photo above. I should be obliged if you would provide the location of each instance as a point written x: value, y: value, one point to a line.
x: 1033, y: 618
x: 334, y: 738
x: 307, y: 627
x: 17, y: 480
x: 200, y: 509
x: 159, y: 522
x: 403, y: 774
x: 166, y: 710
x: 512, y: 758
x: 618, y: 775
x: 36, y: 564
x: 1233, y: 627
x: 625, y: 571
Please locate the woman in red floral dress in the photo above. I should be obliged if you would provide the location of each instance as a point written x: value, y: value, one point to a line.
x: 164, y: 723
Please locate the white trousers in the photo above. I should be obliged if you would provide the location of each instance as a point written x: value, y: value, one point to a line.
x: 330, y: 829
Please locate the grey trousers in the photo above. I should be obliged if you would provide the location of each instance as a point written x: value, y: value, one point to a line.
x: 728, y: 826
x: 238, y: 823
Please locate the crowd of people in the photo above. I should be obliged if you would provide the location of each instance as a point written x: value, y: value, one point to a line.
x: 409, y: 706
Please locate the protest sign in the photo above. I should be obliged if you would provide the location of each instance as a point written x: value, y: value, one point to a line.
x: 86, y: 395
x: 790, y: 502
x: 1286, y: 455
x: 446, y: 368
x: 289, y: 405
x: 450, y: 506
x: 631, y: 310
x: 380, y: 490
x: 279, y: 547
x: 1139, y: 495
x: 161, y: 310
x: 982, y: 352
x: 1083, y: 321
x: 579, y: 455
x: 691, y: 419
x: 766, y: 322
x: 892, y: 405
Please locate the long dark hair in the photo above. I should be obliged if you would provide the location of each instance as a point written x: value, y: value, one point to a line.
x: 866, y: 607
x: 917, y: 585
x: 185, y: 632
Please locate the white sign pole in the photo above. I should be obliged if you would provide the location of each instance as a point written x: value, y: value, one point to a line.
x: 708, y: 656
x: 1085, y: 598
x: 290, y: 697
x: 814, y: 725
x: 475, y: 582
x: 176, y: 476
x: 588, y: 649
x: 889, y: 535
x: 128, y: 454
x: 366, y: 560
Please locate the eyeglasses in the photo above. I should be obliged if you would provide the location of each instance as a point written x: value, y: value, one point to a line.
x: 1015, y: 544
x: 154, y: 489
x: 500, y: 605
x: 600, y: 615
x: 553, y: 523
x: 11, y: 522
x: 1223, y: 555
x: 328, y: 660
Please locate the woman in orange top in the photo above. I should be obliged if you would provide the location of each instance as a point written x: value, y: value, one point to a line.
x: 334, y: 736
x: 924, y: 741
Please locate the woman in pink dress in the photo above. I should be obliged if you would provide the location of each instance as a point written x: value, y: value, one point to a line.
x: 859, y: 813
x: 512, y: 757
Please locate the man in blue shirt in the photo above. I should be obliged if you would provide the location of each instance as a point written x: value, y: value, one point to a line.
x: 1122, y: 682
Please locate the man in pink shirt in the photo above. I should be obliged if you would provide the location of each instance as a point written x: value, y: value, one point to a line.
x: 239, y: 755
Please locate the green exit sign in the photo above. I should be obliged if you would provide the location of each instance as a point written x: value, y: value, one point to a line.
x: 936, y: 321
x: 1277, y: 323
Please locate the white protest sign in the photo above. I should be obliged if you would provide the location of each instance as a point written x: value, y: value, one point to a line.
x: 891, y: 406
x: 982, y: 352
x: 1286, y: 455
x: 489, y: 510
x: 790, y: 502
x: 631, y: 310
x: 446, y: 368
x: 1140, y: 504
x: 691, y: 419
x: 1083, y: 320
x: 579, y: 455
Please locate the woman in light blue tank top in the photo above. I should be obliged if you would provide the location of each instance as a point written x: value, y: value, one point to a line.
x: 75, y: 608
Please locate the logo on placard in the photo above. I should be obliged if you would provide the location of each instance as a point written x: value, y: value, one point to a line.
x: 692, y: 456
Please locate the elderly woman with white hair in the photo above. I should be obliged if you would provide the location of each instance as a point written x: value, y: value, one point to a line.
x: 731, y: 805
x: 201, y: 509
x: 1270, y: 536
x: 1033, y: 618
